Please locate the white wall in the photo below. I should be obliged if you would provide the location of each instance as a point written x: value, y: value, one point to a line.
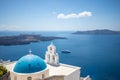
x: 73, y: 76
x: 33, y: 75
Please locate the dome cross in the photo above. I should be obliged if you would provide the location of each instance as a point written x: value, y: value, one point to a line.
x: 30, y: 51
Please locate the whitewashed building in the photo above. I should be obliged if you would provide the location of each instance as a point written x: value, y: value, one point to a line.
x: 32, y: 67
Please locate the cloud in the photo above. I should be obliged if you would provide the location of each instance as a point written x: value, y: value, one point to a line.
x: 74, y: 15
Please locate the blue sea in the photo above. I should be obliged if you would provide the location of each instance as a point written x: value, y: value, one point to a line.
x: 97, y: 55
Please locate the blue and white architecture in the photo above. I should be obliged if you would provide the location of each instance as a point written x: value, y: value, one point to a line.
x: 33, y: 67
x: 28, y: 67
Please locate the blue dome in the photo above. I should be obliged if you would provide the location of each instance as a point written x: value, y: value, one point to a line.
x: 29, y: 64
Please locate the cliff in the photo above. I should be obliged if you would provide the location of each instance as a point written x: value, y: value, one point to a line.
x: 104, y: 31
x: 25, y: 39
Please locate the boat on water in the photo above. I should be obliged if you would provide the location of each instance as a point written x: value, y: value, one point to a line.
x: 65, y: 51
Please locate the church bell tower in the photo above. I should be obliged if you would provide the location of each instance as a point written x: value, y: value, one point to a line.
x: 51, y: 57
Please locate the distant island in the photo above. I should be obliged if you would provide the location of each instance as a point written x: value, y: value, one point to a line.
x: 25, y: 39
x: 103, y: 31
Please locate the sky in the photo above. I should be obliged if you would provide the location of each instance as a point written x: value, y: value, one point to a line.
x: 59, y: 15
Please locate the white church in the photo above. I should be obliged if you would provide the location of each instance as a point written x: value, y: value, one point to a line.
x: 33, y: 67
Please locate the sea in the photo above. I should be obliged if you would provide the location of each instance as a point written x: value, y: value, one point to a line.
x: 97, y: 55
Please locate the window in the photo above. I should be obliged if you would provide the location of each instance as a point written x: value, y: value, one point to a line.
x: 54, y: 58
x: 50, y: 48
x: 29, y: 66
x: 38, y: 64
x: 15, y: 77
x: 43, y: 76
x: 29, y: 78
